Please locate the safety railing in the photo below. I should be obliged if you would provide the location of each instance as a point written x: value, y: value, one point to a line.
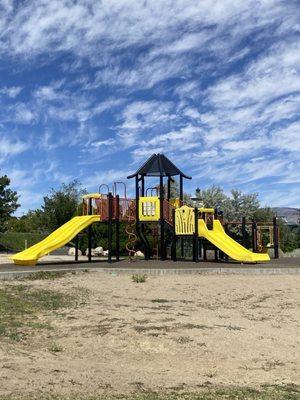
x: 168, y: 209
x: 123, y: 208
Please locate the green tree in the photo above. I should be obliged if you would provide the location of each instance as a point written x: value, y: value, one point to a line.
x: 33, y: 221
x: 239, y: 205
x: 213, y: 197
x: 62, y: 204
x: 8, y: 202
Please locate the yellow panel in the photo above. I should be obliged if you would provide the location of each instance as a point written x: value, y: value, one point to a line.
x: 92, y: 196
x: 184, y: 221
x: 149, y: 208
x: 175, y: 202
x: 55, y: 240
x: 206, y: 210
x: 234, y: 250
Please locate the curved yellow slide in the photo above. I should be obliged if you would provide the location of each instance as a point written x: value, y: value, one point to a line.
x: 234, y: 250
x: 55, y: 240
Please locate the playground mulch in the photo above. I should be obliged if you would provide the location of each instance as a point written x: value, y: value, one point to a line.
x: 171, y: 333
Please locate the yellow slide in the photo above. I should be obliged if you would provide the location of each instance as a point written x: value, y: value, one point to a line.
x: 55, y: 240
x: 222, y: 241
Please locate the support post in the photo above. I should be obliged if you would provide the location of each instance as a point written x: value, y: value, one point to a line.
x: 137, y: 197
x: 196, y: 237
x: 244, y: 231
x: 276, y: 237
x: 143, y: 185
x: 254, y: 236
x: 110, y: 223
x: 161, y: 218
x: 90, y: 212
x: 181, y: 188
x: 169, y: 188
x: 117, y: 216
x: 173, y: 247
x: 226, y: 231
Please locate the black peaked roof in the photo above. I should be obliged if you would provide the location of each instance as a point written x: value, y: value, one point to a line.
x: 158, y: 165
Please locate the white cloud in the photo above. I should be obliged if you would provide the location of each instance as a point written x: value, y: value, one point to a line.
x: 10, y: 148
x: 12, y: 91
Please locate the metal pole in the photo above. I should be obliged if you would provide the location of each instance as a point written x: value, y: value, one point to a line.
x: 137, y: 196
x: 143, y: 185
x: 226, y: 231
x: 169, y: 188
x: 117, y: 227
x: 254, y: 236
x: 110, y: 221
x: 161, y: 219
x: 276, y: 238
x: 196, y: 237
x: 173, y: 248
x: 244, y: 231
x: 181, y: 188
x: 90, y: 212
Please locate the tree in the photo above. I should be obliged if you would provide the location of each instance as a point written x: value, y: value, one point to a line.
x: 240, y: 205
x: 8, y: 202
x: 32, y: 222
x: 213, y: 197
x: 62, y: 204
x: 174, y: 192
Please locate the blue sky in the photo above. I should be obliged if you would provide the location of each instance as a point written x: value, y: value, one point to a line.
x: 89, y: 89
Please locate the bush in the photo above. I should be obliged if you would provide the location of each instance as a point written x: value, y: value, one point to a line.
x: 15, y: 241
x: 138, y: 278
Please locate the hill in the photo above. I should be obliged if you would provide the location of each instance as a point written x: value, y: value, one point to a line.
x: 289, y: 214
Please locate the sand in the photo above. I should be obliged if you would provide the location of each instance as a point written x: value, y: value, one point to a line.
x: 184, y: 331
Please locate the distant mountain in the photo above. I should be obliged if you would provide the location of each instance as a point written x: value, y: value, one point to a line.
x: 290, y: 215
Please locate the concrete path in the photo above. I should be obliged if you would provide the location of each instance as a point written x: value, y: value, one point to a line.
x: 155, y: 267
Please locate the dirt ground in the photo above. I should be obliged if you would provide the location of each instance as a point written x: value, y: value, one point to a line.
x: 185, y: 331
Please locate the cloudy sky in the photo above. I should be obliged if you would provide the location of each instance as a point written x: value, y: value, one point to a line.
x: 90, y: 88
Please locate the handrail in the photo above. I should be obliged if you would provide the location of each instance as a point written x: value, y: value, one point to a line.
x: 115, y: 185
x: 104, y: 184
x: 151, y: 191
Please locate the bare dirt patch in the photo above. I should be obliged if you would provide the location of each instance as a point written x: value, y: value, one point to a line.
x: 184, y: 331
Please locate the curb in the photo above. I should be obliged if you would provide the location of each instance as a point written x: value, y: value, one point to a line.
x: 9, y: 275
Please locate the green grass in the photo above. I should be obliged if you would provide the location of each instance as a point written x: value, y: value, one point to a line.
x: 15, y: 241
x: 44, y: 275
x: 55, y: 348
x: 138, y: 278
x: 20, y: 306
x: 265, y: 393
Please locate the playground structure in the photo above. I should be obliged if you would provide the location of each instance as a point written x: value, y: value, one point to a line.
x: 153, y: 216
